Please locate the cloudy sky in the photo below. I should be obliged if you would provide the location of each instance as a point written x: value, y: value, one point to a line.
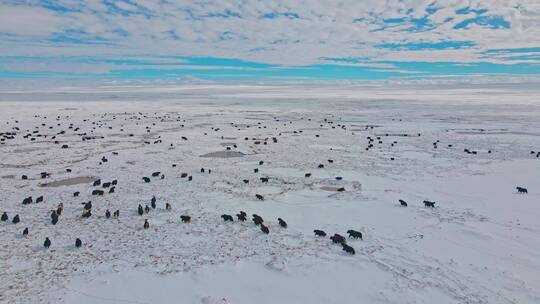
x: 269, y: 40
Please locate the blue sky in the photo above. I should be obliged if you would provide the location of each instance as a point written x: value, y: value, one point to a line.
x: 269, y: 40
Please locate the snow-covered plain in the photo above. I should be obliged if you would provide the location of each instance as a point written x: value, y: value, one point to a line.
x: 480, y: 244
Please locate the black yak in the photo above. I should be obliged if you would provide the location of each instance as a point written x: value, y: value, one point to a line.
x: 54, y: 217
x: 98, y: 192
x: 78, y: 243
x: 140, y: 210
x: 146, y: 224
x: 355, y: 234
x: 403, y: 203
x: 39, y: 199
x: 429, y: 204
x: 241, y: 216
x: 4, y: 217
x: 146, y: 179
x: 88, y: 205
x: 16, y: 219
x: 347, y: 248
x: 75, y: 194
x: 156, y: 174
x: 338, y: 239
x: 227, y: 217
x: 97, y: 183
x: 47, y: 243
x: 307, y: 175
x: 522, y: 190
x: 153, y: 202
x: 257, y: 219
x: 319, y: 232
x: 260, y: 197
x: 185, y: 218
x: 25, y: 231
x: 265, y: 229
x: 264, y: 179
x: 107, y: 213
x: 282, y: 223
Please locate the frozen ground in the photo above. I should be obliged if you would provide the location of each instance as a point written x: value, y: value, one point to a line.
x: 481, y: 244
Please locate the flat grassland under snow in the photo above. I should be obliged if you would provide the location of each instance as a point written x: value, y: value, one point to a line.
x: 480, y: 244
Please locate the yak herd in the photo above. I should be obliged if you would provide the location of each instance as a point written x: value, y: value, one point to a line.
x: 110, y: 186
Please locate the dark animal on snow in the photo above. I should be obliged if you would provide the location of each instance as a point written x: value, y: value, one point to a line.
x: 167, y: 206
x: 265, y: 229
x: 146, y: 224
x: 153, y: 202
x: 338, y: 239
x: 227, y: 217
x: 75, y: 194
x: 522, y: 190
x: 106, y: 185
x: 341, y: 189
x: 47, y: 243
x: 60, y: 208
x: 78, y: 243
x: 146, y: 179
x: 347, y: 248
x: 112, y: 189
x: 114, y: 182
x: 24, y: 177
x: 156, y: 174
x: 185, y: 218
x: 116, y: 213
x: 429, y: 204
x: 319, y: 232
x: 107, y: 213
x: 97, y: 183
x: 403, y: 203
x: 183, y: 175
x: 355, y: 234
x: 87, y: 205
x: 321, y: 166
x: 98, y: 192
x: 307, y: 174
x: 255, y: 170
x: 282, y: 223
x: 87, y: 213
x: 241, y: 217
x: 140, y: 210
x: 246, y: 181
x: 257, y: 219
x: 264, y: 179
x: 54, y: 218
x: 25, y: 231
x: 15, y: 219
x: 4, y: 217
x: 259, y: 197
x: 39, y: 199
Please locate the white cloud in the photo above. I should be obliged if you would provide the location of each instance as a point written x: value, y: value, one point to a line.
x: 20, y: 20
x: 302, y: 32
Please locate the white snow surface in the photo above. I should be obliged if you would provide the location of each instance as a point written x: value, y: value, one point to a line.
x: 480, y: 244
